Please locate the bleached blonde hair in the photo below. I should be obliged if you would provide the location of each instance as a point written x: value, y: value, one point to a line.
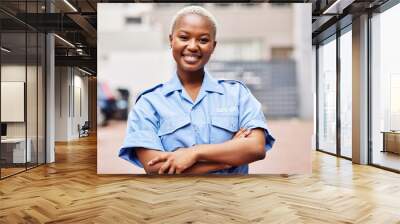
x: 197, y: 10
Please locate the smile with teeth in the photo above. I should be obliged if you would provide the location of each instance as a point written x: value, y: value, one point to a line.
x: 191, y: 58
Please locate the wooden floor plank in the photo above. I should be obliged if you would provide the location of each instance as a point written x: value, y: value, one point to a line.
x: 70, y: 191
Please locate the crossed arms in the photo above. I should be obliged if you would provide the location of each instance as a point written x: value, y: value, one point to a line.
x: 245, y: 147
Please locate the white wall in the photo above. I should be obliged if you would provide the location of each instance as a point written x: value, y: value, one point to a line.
x: 16, y: 73
x: 61, y: 103
x: 302, y: 47
x: 125, y: 63
x: 71, y: 94
x: 33, y: 125
x: 127, y: 69
x: 270, y: 25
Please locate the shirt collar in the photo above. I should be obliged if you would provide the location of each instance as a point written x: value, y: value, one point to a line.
x: 209, y: 84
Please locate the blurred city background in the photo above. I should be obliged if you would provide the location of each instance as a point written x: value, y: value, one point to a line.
x: 268, y: 48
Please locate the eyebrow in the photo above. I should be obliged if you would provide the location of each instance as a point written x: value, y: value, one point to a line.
x: 203, y: 34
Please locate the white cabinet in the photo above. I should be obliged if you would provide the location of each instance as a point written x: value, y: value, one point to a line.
x: 18, y: 149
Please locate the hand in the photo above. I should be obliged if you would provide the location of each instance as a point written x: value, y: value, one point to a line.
x: 175, y: 162
x: 242, y: 133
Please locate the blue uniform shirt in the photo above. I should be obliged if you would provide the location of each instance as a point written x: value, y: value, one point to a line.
x: 165, y: 118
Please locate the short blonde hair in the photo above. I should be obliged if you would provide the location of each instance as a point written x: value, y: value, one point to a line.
x: 197, y: 10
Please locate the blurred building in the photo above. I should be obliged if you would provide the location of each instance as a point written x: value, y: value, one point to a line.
x: 263, y: 36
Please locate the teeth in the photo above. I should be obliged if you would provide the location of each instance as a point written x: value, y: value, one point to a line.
x: 191, y: 58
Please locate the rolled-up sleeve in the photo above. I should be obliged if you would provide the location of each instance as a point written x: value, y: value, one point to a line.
x: 251, y: 116
x: 141, y: 132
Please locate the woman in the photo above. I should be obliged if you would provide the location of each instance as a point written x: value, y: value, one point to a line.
x: 193, y: 123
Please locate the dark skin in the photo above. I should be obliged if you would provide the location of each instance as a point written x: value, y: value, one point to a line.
x: 193, y: 42
x: 200, y: 167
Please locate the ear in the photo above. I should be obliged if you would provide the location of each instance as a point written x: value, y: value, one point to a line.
x: 214, y: 45
x: 170, y: 40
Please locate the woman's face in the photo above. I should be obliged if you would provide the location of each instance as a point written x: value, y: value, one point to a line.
x: 192, y: 42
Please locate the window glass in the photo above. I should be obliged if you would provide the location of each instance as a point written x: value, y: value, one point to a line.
x: 327, y: 97
x: 345, y: 94
x: 385, y: 84
x: 14, y: 149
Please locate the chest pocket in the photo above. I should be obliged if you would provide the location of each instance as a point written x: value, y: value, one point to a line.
x: 175, y: 132
x: 223, y: 127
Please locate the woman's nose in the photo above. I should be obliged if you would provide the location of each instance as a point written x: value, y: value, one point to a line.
x: 192, y: 45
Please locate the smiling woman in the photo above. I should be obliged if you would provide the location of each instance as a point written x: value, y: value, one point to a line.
x: 192, y: 39
x: 195, y: 123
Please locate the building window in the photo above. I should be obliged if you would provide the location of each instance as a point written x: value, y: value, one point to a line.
x: 22, y: 108
x: 281, y: 53
x: 327, y: 96
x: 250, y: 50
x: 385, y: 89
x: 346, y: 94
x: 133, y: 20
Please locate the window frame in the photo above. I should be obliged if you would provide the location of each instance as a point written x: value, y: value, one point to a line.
x: 333, y: 37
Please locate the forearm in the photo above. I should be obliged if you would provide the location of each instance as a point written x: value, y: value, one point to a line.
x: 198, y: 168
x: 234, y: 152
x: 205, y: 167
x: 154, y: 168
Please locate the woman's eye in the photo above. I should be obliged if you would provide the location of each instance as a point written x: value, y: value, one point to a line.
x: 204, y: 40
x: 183, y: 37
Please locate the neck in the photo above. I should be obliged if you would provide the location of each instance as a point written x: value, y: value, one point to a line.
x: 191, y: 78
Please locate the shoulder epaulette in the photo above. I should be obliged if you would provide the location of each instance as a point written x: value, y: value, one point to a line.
x: 232, y: 82
x: 148, y: 91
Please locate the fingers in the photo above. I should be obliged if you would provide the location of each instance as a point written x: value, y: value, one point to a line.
x: 242, y: 133
x: 239, y: 133
x: 247, y: 133
x: 157, y: 159
x: 227, y: 166
x: 165, y: 167
x: 171, y: 170
x: 178, y: 171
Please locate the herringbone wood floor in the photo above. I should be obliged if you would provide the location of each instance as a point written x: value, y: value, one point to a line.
x: 70, y: 191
